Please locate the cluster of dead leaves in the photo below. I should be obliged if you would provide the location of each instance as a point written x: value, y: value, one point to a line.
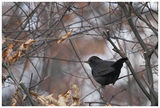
x: 10, y: 56
x: 69, y: 98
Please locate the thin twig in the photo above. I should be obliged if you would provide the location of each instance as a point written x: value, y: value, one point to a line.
x: 59, y: 59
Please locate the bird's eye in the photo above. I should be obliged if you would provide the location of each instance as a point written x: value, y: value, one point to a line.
x: 91, y: 60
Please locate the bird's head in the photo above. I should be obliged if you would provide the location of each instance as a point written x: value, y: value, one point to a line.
x: 93, y: 60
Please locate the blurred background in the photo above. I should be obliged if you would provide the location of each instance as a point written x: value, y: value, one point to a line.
x: 49, y: 67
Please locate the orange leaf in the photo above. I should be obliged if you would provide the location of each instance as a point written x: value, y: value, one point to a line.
x: 64, y: 37
x: 7, y: 52
x: 16, y: 56
x: 15, y: 98
x: 33, y: 93
x: 75, y: 99
x: 26, y: 45
x: 64, y: 98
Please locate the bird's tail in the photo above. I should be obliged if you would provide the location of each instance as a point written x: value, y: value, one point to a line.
x: 119, y: 63
x: 122, y: 59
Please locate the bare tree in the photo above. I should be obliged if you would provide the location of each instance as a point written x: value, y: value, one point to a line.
x: 45, y: 44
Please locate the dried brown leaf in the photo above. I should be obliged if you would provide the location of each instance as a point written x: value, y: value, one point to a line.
x: 32, y: 93
x: 75, y: 87
x: 7, y: 52
x: 64, y: 37
x: 52, y: 100
x: 42, y: 100
x: 15, y: 57
x: 39, y: 98
x: 26, y: 46
x: 75, y: 99
x: 15, y: 98
x: 64, y: 98
x: 24, y: 97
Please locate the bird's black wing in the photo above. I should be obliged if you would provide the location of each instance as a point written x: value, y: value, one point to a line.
x: 103, y: 68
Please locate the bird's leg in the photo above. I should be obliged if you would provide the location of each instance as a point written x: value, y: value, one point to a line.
x: 101, y: 89
x: 101, y: 93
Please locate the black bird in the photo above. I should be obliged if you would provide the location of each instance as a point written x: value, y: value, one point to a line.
x: 105, y: 72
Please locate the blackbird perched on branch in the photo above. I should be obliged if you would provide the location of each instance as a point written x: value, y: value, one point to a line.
x: 105, y: 72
